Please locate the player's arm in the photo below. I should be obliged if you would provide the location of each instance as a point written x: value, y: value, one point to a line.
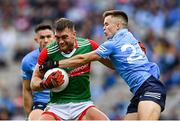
x: 55, y: 79
x: 37, y: 75
x: 82, y: 59
x: 27, y: 97
x: 26, y: 91
x: 79, y: 60
x: 76, y: 61
x: 36, y: 79
x: 106, y: 61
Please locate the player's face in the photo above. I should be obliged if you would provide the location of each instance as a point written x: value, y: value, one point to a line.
x: 44, y: 37
x: 66, y: 40
x: 110, y: 26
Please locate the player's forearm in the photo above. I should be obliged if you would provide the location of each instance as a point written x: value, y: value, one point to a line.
x: 27, y: 100
x: 75, y: 61
x: 36, y: 79
x: 35, y: 84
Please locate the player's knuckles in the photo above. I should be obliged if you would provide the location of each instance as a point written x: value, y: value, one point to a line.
x: 60, y: 77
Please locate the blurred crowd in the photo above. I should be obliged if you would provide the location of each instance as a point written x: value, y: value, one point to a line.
x: 154, y: 22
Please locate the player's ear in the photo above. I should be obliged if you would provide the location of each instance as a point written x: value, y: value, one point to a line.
x: 36, y: 39
x: 74, y: 33
x: 119, y: 25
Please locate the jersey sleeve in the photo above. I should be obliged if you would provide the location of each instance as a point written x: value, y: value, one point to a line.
x: 26, y: 71
x: 93, y: 44
x: 105, y: 49
x: 42, y: 56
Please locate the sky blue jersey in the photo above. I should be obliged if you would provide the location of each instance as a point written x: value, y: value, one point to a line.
x: 27, y: 67
x: 128, y: 59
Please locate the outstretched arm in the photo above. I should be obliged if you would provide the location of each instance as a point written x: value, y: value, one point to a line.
x: 79, y: 60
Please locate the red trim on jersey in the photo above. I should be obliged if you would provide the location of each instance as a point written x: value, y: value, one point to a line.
x: 42, y: 56
x: 53, y: 115
x: 84, y: 112
x: 94, y: 44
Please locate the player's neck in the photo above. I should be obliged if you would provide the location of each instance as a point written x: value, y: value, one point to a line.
x: 68, y: 51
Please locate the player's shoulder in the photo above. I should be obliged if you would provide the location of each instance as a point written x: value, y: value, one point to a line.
x: 52, y: 44
x: 29, y: 58
x: 81, y: 40
x: 52, y: 47
x: 86, y: 42
x: 110, y: 43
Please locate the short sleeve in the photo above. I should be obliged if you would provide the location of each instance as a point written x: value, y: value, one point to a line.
x: 26, y: 75
x: 26, y: 71
x: 94, y: 44
x: 105, y: 49
x: 42, y: 56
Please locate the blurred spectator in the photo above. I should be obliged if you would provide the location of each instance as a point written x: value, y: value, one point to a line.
x: 4, y: 113
x: 110, y: 79
x: 119, y: 110
x: 7, y: 104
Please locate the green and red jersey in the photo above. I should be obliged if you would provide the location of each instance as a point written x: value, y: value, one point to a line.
x: 78, y: 89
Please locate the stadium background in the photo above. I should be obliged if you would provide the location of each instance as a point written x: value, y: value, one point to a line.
x: 154, y: 22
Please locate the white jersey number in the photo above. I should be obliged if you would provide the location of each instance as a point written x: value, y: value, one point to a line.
x: 132, y: 57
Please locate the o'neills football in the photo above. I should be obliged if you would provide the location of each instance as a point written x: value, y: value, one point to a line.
x: 66, y: 79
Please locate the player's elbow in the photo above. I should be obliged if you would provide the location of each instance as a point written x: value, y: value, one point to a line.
x: 34, y: 86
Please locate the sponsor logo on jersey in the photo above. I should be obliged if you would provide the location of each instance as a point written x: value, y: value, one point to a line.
x: 80, y: 70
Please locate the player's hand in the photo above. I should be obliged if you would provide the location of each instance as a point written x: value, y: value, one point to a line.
x: 54, y: 80
x: 142, y: 47
x: 48, y: 65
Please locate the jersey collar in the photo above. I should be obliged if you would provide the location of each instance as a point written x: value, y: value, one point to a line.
x: 69, y: 54
x: 121, y: 32
x: 72, y: 52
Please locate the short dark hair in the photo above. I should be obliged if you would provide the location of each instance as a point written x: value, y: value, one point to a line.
x: 63, y: 23
x: 43, y: 26
x: 116, y: 13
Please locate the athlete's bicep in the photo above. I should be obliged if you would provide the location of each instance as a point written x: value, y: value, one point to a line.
x: 26, y: 85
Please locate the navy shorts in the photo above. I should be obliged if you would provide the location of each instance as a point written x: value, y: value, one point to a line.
x: 152, y: 89
x: 39, y: 105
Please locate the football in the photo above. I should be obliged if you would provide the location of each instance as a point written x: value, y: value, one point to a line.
x: 66, y: 79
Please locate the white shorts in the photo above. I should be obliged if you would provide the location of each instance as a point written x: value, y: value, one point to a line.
x: 68, y: 111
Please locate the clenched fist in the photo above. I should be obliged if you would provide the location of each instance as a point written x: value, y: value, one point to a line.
x: 55, y: 79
